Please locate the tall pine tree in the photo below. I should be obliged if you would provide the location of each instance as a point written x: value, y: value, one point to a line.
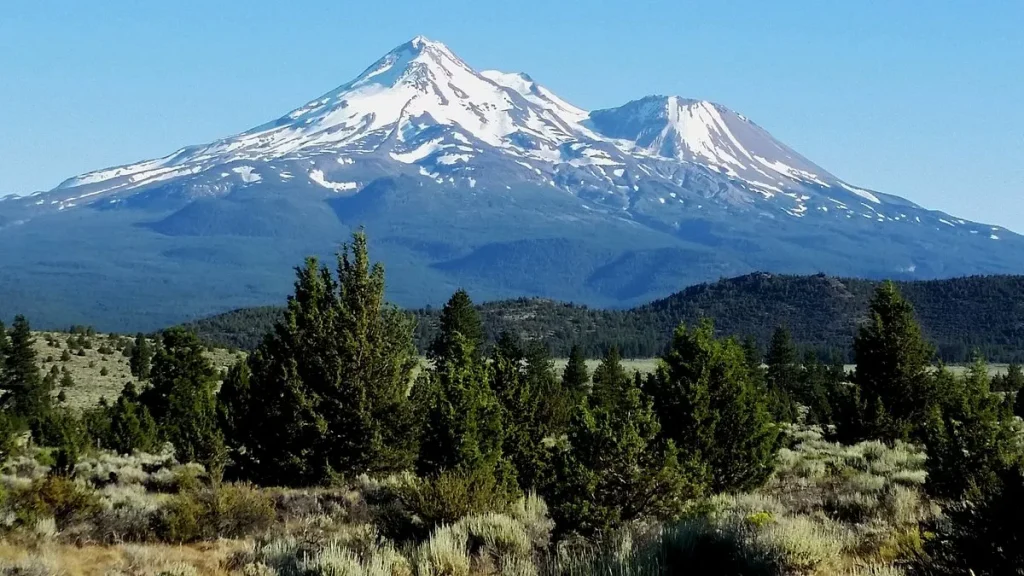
x: 328, y: 390
x: 893, y: 359
x: 141, y: 357
x: 460, y: 416
x: 458, y: 316
x: 782, y: 376
x: 522, y: 389
x: 707, y: 402
x: 27, y: 396
x: 181, y: 399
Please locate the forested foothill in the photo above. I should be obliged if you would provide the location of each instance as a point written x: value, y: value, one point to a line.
x: 960, y: 316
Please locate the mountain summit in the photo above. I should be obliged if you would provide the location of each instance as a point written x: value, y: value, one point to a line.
x: 483, y: 179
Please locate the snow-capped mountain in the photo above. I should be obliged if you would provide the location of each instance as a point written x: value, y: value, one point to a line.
x: 460, y: 167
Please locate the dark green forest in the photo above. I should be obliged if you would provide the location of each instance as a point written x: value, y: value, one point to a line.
x: 960, y: 316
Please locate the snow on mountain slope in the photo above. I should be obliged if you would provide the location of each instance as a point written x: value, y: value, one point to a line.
x: 424, y: 112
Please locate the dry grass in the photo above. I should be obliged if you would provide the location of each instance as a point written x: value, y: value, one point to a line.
x: 91, y: 383
x: 149, y: 560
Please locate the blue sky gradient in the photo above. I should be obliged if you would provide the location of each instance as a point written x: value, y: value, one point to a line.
x: 922, y: 100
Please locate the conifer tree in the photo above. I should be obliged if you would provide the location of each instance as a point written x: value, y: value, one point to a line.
x: 892, y: 357
x: 232, y: 400
x: 329, y: 386
x: 982, y: 536
x: 969, y: 436
x: 458, y: 316
x: 519, y: 388
x: 707, y: 403
x: 27, y: 396
x: 141, y: 357
x: 460, y: 415
x: 131, y: 427
x: 782, y: 376
x: 181, y: 399
x: 1012, y: 381
x: 4, y: 346
x: 615, y: 469
x: 575, y: 378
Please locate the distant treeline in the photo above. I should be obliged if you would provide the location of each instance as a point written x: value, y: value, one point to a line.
x: 960, y: 316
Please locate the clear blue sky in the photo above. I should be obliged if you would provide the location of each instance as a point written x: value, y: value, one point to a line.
x: 920, y: 99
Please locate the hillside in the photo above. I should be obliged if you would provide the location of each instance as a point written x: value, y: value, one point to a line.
x: 958, y: 315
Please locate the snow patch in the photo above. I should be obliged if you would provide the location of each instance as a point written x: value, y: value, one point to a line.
x: 318, y: 177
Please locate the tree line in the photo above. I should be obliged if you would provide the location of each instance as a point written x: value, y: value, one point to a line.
x: 335, y: 390
x: 962, y: 316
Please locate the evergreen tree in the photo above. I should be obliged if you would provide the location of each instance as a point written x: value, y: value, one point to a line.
x: 141, y: 357
x: 818, y: 382
x: 329, y: 386
x: 131, y: 427
x: 27, y: 396
x: 982, y: 537
x: 181, y: 399
x: 970, y: 436
x: 782, y: 376
x: 892, y: 360
x: 232, y: 401
x: 706, y: 402
x: 615, y: 469
x: 458, y: 316
x: 460, y: 415
x: 1012, y: 381
x: 556, y: 404
x: 4, y: 347
x: 575, y: 378
x: 519, y: 391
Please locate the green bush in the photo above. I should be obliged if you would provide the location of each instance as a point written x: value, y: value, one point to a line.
x: 226, y: 511
x: 453, y: 495
x: 57, y: 497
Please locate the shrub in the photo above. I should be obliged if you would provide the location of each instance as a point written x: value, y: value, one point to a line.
x: 445, y: 554
x: 60, y: 498
x: 453, y: 495
x: 227, y: 511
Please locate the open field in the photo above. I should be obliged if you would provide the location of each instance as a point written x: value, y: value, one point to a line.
x: 98, y: 375
x: 95, y: 375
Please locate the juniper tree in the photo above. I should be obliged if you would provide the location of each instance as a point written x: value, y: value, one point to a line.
x: 983, y: 536
x: 181, y: 399
x: 329, y: 386
x: 522, y: 390
x: 707, y: 402
x: 615, y: 469
x: 27, y: 395
x: 4, y: 346
x: 969, y: 437
x: 458, y: 316
x: 893, y: 359
x: 575, y: 378
x: 131, y: 427
x: 460, y: 416
x: 783, y: 376
x: 141, y: 357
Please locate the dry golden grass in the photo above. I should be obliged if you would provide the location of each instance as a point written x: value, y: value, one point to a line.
x: 208, y: 558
